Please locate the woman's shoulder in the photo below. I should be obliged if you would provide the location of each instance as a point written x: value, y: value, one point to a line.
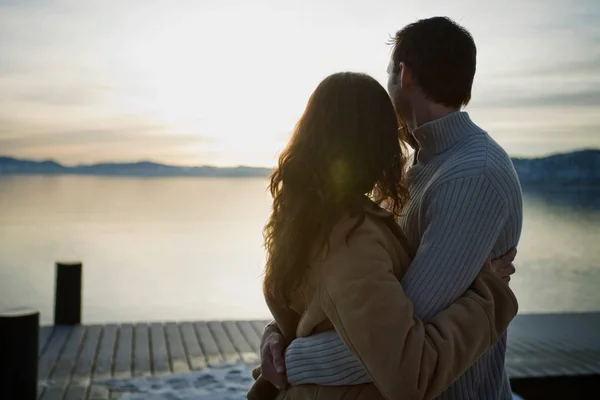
x: 356, y: 228
x: 370, y: 226
x: 375, y: 229
x: 360, y: 248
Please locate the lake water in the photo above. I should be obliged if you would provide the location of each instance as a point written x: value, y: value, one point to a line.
x: 158, y: 249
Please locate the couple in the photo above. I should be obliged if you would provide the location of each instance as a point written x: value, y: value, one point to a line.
x: 380, y: 277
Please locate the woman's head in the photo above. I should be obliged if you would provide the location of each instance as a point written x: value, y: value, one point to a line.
x: 344, y: 146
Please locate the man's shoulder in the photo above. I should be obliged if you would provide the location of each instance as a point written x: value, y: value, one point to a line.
x: 479, y: 156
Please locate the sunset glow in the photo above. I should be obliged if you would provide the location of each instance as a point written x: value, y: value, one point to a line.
x: 207, y: 82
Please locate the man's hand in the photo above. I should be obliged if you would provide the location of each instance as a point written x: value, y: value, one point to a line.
x: 503, y: 266
x: 272, y: 358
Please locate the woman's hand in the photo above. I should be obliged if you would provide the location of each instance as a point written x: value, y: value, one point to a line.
x: 272, y: 357
x: 503, y: 266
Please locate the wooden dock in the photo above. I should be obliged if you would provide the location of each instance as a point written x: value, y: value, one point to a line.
x: 73, y: 358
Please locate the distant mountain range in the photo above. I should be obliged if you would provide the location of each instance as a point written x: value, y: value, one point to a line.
x: 14, y: 166
x: 579, y: 167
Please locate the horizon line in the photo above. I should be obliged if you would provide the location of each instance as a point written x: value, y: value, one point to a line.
x: 149, y: 161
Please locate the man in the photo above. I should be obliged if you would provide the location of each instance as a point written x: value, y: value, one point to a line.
x: 465, y: 204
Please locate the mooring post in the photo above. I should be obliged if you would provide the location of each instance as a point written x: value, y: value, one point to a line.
x: 67, y: 296
x: 19, y: 342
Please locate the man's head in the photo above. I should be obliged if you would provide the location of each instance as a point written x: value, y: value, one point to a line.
x: 432, y: 65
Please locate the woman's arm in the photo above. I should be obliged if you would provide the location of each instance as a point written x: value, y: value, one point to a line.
x: 284, y: 325
x: 405, y: 358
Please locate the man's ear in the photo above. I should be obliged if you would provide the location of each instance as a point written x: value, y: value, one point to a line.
x: 406, y: 79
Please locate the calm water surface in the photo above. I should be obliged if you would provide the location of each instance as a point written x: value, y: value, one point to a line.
x: 191, y: 248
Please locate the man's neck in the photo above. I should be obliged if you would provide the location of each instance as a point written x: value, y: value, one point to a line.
x: 428, y: 111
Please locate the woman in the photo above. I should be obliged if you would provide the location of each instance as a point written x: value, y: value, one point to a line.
x: 335, y: 255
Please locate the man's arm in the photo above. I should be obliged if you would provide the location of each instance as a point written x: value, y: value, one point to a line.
x: 463, y: 219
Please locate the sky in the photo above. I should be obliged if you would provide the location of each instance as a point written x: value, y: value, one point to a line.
x: 223, y: 82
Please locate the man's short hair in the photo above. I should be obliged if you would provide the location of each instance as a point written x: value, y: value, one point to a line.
x: 442, y: 57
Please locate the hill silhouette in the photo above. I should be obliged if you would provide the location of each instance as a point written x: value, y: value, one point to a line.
x: 578, y: 167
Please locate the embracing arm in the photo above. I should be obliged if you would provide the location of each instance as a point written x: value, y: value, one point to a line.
x: 405, y: 358
x: 463, y: 219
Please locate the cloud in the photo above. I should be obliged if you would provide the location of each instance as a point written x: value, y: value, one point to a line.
x: 62, y: 95
x: 100, y: 139
x: 588, y: 98
x: 96, y: 145
x: 104, y: 137
x: 586, y: 67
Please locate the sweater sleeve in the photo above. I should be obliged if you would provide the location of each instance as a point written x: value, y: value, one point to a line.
x: 463, y: 219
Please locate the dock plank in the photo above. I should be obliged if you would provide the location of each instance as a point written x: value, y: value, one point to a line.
x: 87, y: 357
x: 82, y: 373
x: 245, y: 351
x: 123, y: 354
x: 75, y: 392
x: 53, y: 393
x: 68, y: 358
x: 259, y: 327
x: 98, y: 392
x: 53, y: 351
x: 115, y: 395
x: 142, y: 365
x: 160, y: 355
x: 543, y: 345
x: 177, y: 356
x: 250, y: 334
x: 60, y: 375
x: 230, y: 355
x: 44, y: 339
x: 106, y: 352
x: 208, y: 343
x: 194, y: 352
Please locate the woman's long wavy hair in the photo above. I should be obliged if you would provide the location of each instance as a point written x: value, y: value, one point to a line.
x: 346, y: 145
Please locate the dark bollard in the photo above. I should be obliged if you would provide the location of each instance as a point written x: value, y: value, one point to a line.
x: 67, y: 296
x: 19, y: 338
